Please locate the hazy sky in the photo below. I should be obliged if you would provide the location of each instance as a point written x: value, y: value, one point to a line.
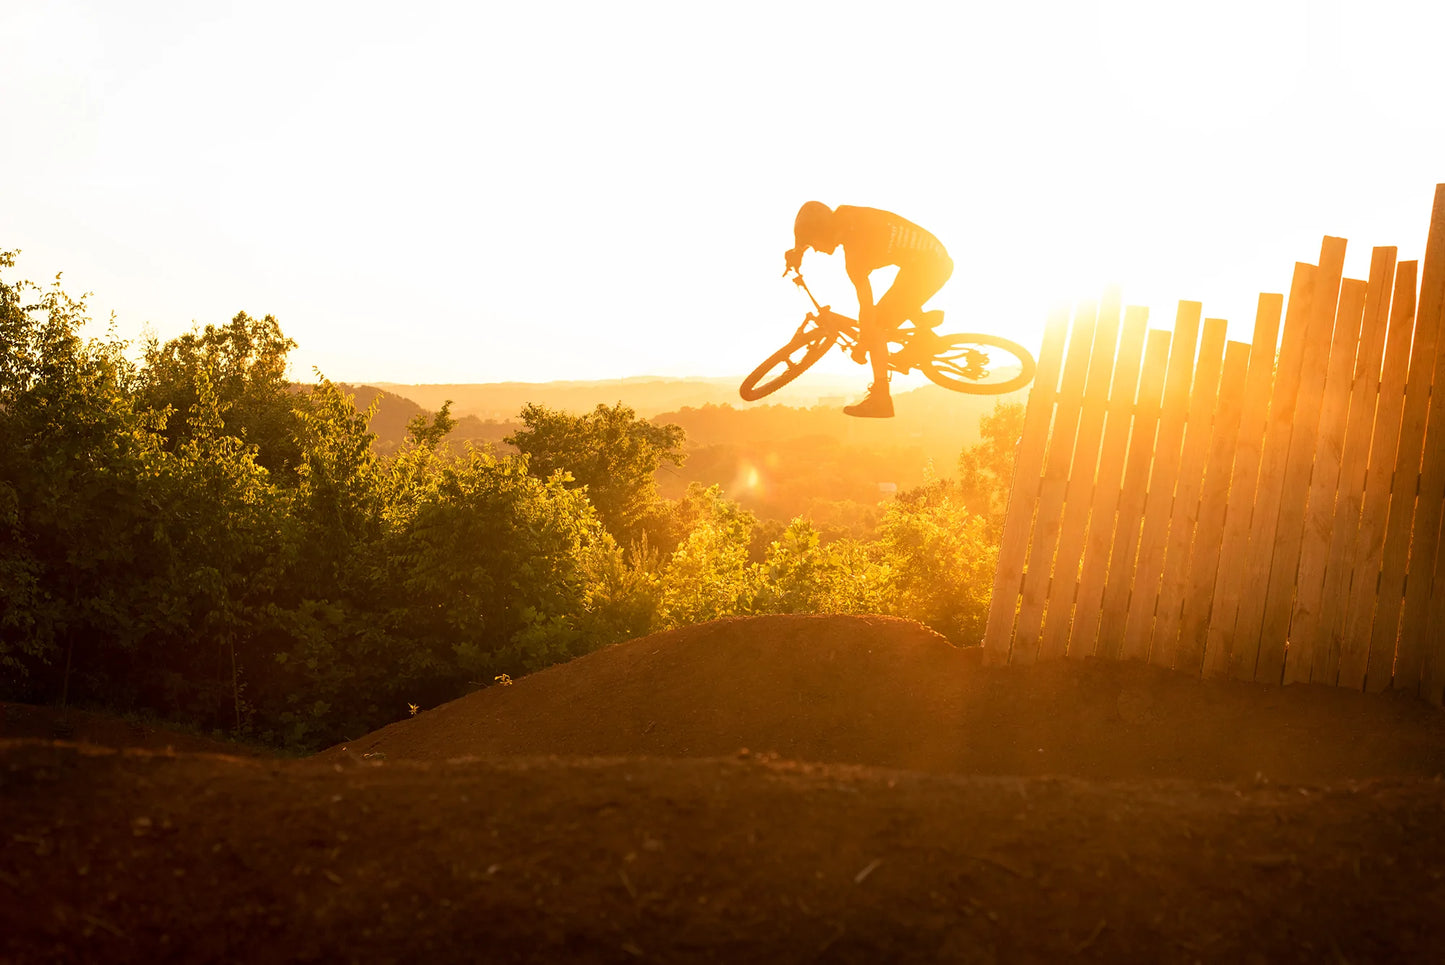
x: 531, y: 191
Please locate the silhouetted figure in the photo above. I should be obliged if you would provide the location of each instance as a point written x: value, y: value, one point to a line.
x: 872, y: 239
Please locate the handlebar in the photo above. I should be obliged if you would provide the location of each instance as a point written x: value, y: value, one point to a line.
x: 798, y: 280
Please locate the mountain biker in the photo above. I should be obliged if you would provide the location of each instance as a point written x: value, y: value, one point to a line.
x: 873, y: 239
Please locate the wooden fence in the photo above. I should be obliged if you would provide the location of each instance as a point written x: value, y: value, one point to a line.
x: 1266, y: 512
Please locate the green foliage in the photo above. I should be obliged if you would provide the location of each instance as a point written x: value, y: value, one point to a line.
x: 939, y: 562
x: 986, y: 470
x: 75, y: 446
x: 245, y: 364
x: 428, y: 434
x: 609, y: 451
x: 709, y: 575
x: 190, y: 536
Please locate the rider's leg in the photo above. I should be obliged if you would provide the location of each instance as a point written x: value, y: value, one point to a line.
x: 873, y: 338
x: 914, y: 285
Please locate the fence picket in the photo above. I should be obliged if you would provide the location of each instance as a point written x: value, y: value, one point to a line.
x: 1053, y: 487
x: 1213, y: 502
x: 1159, y: 504
x: 1365, y: 578
x: 1294, y: 492
x: 1124, y: 545
x: 1322, y: 481
x: 1018, y: 518
x: 1344, y: 524
x: 1390, y: 597
x: 1083, y: 629
x: 1054, y: 639
x: 1244, y: 653
x: 1180, y: 541
x: 1410, y: 660
x: 1243, y: 481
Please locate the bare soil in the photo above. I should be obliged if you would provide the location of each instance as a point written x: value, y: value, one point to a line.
x: 782, y: 789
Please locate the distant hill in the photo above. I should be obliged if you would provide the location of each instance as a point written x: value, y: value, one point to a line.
x: 645, y: 395
x: 777, y: 460
x: 393, y: 413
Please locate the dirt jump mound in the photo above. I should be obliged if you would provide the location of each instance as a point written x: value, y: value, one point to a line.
x: 885, y: 692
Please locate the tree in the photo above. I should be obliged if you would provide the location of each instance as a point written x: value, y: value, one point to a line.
x: 610, y: 452
x: 986, y: 470
x: 245, y: 364
x: 708, y: 575
x: 940, y: 560
x: 73, y: 443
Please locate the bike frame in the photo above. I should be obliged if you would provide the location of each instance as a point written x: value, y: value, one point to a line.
x: 915, y: 341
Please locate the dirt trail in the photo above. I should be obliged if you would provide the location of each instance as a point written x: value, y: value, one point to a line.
x: 896, y: 802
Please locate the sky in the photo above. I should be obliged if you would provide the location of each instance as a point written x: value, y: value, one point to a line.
x: 480, y: 191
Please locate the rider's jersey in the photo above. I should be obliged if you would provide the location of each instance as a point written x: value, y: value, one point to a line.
x: 873, y: 238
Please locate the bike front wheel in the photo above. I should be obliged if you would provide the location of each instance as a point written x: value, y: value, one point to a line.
x: 787, y: 363
x: 979, y: 364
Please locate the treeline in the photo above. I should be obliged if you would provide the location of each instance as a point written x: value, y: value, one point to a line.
x: 184, y: 534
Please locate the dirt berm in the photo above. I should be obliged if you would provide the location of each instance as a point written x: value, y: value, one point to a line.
x: 783, y: 789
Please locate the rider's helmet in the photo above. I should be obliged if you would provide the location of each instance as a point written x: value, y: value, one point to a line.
x: 813, y: 223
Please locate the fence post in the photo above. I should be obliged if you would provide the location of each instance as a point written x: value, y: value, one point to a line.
x: 1018, y: 518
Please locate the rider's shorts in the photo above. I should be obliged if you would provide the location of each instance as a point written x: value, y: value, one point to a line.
x: 914, y: 284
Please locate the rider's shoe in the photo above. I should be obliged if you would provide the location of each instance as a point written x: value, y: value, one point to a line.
x: 860, y: 354
x: 875, y: 405
x: 931, y: 319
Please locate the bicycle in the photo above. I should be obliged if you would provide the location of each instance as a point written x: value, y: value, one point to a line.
x: 964, y: 363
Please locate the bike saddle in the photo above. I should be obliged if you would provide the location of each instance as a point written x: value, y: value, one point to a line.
x: 931, y: 319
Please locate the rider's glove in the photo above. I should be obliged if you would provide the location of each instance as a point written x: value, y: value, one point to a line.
x: 793, y: 258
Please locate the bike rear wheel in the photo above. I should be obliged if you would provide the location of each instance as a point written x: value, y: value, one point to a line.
x: 979, y: 364
x: 787, y: 363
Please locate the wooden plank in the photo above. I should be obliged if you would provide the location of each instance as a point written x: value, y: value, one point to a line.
x: 1054, y: 640
x: 1432, y: 301
x: 1158, y: 508
x: 1124, y: 545
x: 1243, y: 644
x: 1084, y: 627
x: 1289, y: 532
x: 1018, y: 519
x: 1390, y: 597
x: 1432, y: 687
x: 1323, y: 481
x: 1354, y: 463
x: 1375, y: 510
x: 1213, y: 505
x: 1223, y: 603
x: 1419, y: 586
x: 1053, y: 488
x: 1180, y: 540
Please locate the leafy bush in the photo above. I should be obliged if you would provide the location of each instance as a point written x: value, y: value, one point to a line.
x: 189, y: 535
